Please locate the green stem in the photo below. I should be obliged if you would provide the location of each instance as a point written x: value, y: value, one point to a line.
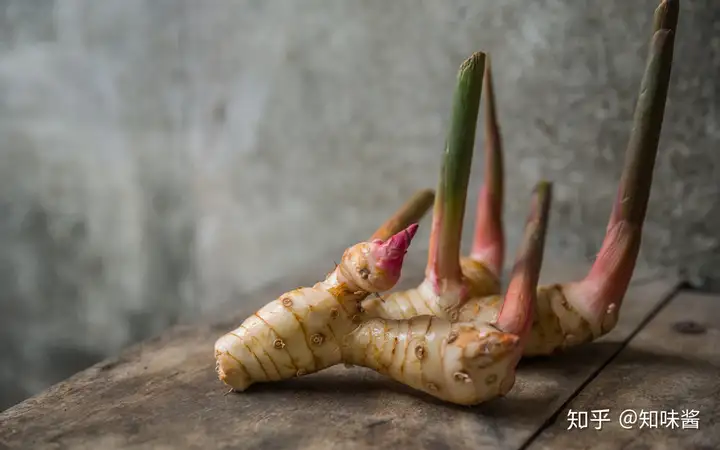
x: 449, y: 210
x: 666, y: 16
x: 636, y: 179
x: 410, y: 212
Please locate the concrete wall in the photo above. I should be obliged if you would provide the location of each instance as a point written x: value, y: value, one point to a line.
x: 160, y: 156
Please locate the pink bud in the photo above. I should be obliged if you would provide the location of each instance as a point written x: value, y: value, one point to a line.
x: 390, y: 254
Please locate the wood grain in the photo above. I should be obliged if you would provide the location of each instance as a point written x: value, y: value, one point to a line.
x: 672, y: 364
x: 164, y: 393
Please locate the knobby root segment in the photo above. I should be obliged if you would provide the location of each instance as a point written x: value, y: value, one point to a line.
x: 444, y: 255
x: 516, y: 315
x: 411, y: 212
x: 489, y: 239
x: 301, y: 331
x: 610, y: 275
x: 464, y: 363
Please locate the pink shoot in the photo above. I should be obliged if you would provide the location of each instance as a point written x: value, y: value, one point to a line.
x: 389, y: 255
x: 489, y: 240
x: 516, y: 315
x: 602, y: 291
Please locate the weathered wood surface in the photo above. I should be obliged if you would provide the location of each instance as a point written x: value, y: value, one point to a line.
x: 672, y: 364
x: 164, y: 393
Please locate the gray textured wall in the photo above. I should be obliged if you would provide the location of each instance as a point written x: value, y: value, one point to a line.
x: 159, y: 156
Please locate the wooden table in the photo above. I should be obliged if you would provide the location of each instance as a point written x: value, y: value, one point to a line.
x: 663, y: 356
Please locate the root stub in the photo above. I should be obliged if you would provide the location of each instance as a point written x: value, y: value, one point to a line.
x: 231, y: 374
